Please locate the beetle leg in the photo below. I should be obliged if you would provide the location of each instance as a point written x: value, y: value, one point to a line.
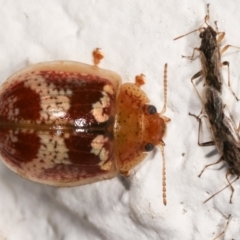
x: 140, y: 80
x: 97, y: 56
x: 166, y: 119
x: 125, y: 173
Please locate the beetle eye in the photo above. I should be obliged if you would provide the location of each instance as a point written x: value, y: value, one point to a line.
x: 149, y: 147
x: 150, y: 109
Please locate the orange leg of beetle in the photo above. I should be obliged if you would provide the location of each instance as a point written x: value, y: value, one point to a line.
x: 97, y: 56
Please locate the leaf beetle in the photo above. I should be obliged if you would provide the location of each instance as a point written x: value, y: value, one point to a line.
x: 67, y: 123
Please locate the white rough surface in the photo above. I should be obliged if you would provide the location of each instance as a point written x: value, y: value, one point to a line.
x: 136, y: 37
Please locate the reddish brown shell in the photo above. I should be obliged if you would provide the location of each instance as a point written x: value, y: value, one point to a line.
x: 56, y: 123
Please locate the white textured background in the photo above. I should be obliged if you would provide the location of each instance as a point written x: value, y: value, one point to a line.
x: 136, y: 37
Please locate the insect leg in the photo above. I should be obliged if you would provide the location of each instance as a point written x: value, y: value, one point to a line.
x: 140, y: 80
x: 225, y: 228
x: 232, y: 189
x: 192, y: 56
x: 225, y: 63
x: 225, y: 48
x: 97, y: 56
x: 203, y: 144
x: 221, y: 35
x: 220, y: 190
x: 195, y: 76
x: 218, y: 161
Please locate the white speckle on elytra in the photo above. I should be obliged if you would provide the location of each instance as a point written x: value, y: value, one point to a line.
x: 98, y: 107
x: 24, y: 130
x: 8, y: 142
x: 16, y: 111
x: 106, y: 166
x: 16, y: 131
x: 55, y: 145
x: 52, y: 151
x: 12, y: 151
x: 54, y: 103
x: 12, y: 136
x: 66, y: 135
x: 7, y: 108
x: 68, y: 92
x: 108, y: 89
x: 98, y: 149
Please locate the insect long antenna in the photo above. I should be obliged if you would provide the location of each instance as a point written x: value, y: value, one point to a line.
x: 221, y: 190
x: 187, y: 33
x: 207, y: 17
x: 164, y: 89
x: 163, y: 176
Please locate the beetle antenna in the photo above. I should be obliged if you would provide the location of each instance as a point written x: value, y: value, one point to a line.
x: 163, y: 177
x: 164, y: 89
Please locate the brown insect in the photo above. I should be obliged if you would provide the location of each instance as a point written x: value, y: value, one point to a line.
x: 224, y: 131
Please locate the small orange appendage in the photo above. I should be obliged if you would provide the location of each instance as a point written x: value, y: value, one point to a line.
x: 97, y: 56
x: 140, y: 80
